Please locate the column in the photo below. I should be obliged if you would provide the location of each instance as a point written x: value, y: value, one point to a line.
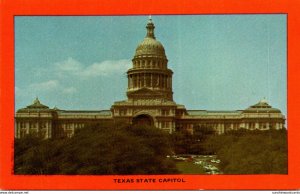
x: 134, y: 81
x: 165, y: 78
x: 160, y: 81
x: 18, y: 128
x: 46, y: 130
x: 148, y: 80
x: 256, y: 126
x: 128, y: 84
x: 27, y: 127
x: 151, y: 80
x: 50, y: 129
x: 73, y: 129
x: 221, y: 125
x: 243, y: 125
x: 38, y: 127
x: 168, y: 82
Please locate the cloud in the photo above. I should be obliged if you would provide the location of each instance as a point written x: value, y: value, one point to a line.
x: 45, y: 86
x: 104, y: 68
x: 70, y: 90
x: 65, y: 77
x: 69, y: 65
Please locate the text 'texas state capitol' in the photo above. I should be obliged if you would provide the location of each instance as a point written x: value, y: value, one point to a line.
x: 150, y: 102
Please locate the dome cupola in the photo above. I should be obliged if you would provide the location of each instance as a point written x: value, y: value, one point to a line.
x: 150, y: 46
x: 150, y: 77
x: 262, y: 107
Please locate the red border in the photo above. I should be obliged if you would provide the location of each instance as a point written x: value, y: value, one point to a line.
x: 137, y: 7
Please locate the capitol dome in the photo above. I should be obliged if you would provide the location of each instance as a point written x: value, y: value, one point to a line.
x: 150, y: 46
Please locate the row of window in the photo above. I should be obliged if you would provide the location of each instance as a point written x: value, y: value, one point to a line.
x: 165, y: 124
x: 33, y: 132
x: 75, y: 125
x: 33, y: 125
x: 164, y: 112
x: 148, y: 64
x: 228, y: 126
x: 149, y: 81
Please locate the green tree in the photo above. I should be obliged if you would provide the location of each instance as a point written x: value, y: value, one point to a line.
x: 182, y: 141
x: 251, y: 152
x: 102, y: 148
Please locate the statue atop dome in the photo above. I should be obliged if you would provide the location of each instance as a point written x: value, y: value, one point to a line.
x: 150, y: 28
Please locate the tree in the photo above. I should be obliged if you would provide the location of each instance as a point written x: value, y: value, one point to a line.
x: 102, y: 148
x: 186, y: 143
x: 182, y: 141
x: 251, y: 152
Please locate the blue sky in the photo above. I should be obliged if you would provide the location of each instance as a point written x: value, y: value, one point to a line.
x: 220, y: 62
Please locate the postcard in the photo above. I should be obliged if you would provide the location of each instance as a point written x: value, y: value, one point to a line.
x: 145, y: 98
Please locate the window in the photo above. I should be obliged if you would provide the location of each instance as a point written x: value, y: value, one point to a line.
x: 68, y: 125
x: 43, y: 125
x: 23, y: 133
x: 165, y: 112
x: 23, y: 125
x: 165, y: 124
x: 32, y: 125
x: 123, y: 112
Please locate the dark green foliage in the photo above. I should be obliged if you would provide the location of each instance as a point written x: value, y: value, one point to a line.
x: 101, y: 148
x: 182, y: 141
x: 251, y: 152
x: 186, y: 143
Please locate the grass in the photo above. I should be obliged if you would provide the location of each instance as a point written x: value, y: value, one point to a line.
x: 189, y: 168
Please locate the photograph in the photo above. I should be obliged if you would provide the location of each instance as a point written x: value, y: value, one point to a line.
x: 182, y: 94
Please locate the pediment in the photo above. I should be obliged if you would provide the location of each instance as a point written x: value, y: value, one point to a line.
x: 145, y: 92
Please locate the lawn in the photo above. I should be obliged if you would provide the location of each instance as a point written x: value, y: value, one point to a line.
x: 189, y: 168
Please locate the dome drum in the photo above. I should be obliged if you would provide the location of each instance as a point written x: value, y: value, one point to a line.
x: 150, y: 62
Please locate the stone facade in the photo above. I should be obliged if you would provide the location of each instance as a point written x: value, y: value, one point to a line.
x: 149, y: 101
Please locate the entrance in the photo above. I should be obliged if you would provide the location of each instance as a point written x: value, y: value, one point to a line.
x: 142, y: 120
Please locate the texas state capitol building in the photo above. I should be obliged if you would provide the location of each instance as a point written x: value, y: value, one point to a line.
x: 150, y: 101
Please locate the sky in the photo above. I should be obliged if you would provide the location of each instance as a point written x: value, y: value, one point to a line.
x: 220, y: 62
